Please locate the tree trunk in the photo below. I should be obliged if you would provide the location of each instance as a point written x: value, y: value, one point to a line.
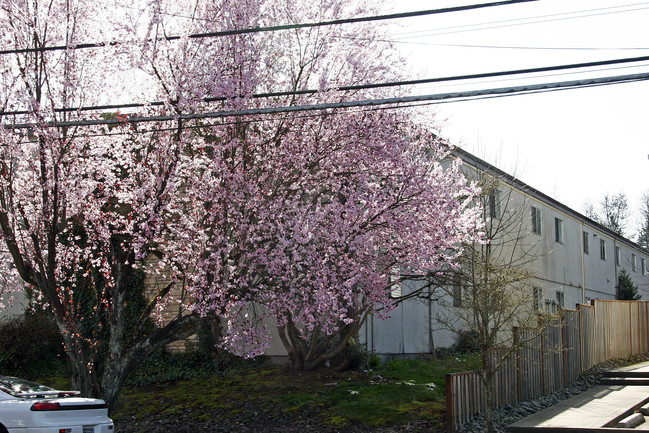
x: 490, y: 403
x: 489, y: 377
x: 115, y: 373
x: 84, y: 374
x: 317, y: 349
x: 296, y: 360
x: 120, y: 359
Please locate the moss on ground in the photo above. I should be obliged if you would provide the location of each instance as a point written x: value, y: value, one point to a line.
x: 393, y: 393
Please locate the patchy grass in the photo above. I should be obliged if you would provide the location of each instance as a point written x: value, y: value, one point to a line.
x: 394, y: 393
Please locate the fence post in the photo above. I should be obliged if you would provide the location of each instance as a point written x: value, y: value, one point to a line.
x: 646, y: 315
x: 450, y: 404
x: 563, y: 348
x: 543, y: 380
x: 581, y: 346
x: 517, y: 339
x: 631, y: 329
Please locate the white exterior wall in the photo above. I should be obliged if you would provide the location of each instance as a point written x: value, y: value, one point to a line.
x: 18, y: 305
x: 558, y: 267
x: 409, y: 328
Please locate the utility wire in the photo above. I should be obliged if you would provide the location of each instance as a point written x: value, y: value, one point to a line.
x: 520, y: 21
x: 276, y: 28
x: 363, y: 86
x: 554, y: 75
x: 313, y: 115
x: 348, y: 104
x: 519, y: 47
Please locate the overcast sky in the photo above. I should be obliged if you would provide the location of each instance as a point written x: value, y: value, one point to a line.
x: 574, y: 145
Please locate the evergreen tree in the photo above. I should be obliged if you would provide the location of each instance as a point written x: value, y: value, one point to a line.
x: 643, y: 233
x: 627, y: 290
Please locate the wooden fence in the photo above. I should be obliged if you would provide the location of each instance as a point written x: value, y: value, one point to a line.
x: 552, y: 358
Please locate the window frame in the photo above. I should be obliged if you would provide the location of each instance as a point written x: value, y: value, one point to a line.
x: 495, y: 210
x: 602, y: 249
x: 561, y: 300
x: 537, y: 298
x: 558, y: 230
x: 643, y: 266
x: 457, y: 295
x: 536, y: 221
x: 396, y: 289
x: 586, y: 242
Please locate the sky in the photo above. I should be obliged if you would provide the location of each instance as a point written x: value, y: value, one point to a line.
x: 574, y: 145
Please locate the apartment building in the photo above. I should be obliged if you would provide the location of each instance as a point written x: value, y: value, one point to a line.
x: 573, y: 259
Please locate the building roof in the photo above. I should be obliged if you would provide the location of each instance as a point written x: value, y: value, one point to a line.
x: 540, y: 196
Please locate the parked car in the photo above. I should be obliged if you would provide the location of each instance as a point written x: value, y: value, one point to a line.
x: 29, y: 407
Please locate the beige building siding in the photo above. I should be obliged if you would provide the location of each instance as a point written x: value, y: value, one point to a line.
x: 156, y: 282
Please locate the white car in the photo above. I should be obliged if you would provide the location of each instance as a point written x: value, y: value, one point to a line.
x: 29, y: 407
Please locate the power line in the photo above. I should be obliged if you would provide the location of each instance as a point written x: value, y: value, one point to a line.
x: 313, y: 115
x: 359, y: 110
x: 519, y: 47
x: 364, y: 86
x: 397, y: 41
x: 522, y: 21
x: 276, y: 28
x: 548, y: 75
x: 350, y: 104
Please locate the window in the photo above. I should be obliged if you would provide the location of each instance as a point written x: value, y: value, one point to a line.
x: 618, y: 256
x: 551, y: 306
x: 537, y: 298
x: 536, y: 220
x: 457, y: 296
x: 558, y: 230
x: 560, y: 300
x: 494, y: 205
x: 634, y: 267
x: 395, y: 282
x: 586, y: 245
x: 643, y: 266
x: 602, y: 249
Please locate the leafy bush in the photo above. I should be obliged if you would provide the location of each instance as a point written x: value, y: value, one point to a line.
x: 31, y: 347
x: 374, y: 362
x: 164, y: 367
x: 469, y: 342
x: 357, y: 357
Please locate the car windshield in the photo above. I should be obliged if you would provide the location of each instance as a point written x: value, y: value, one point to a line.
x: 15, y: 386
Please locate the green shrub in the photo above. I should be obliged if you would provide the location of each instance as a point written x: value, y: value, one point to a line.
x: 31, y: 347
x: 357, y: 357
x: 374, y: 362
x: 164, y: 367
x: 469, y: 342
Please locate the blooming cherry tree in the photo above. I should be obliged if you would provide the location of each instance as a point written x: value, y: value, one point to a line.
x: 289, y: 220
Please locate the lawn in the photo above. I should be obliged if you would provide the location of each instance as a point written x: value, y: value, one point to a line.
x: 396, y: 392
